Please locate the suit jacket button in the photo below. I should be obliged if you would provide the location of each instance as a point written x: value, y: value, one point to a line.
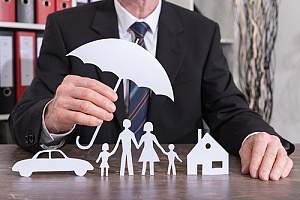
x: 26, y: 139
x: 31, y: 139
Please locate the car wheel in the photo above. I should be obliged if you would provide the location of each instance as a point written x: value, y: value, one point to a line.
x: 80, y: 172
x: 26, y: 174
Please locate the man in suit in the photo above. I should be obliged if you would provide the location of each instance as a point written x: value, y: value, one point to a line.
x: 68, y: 98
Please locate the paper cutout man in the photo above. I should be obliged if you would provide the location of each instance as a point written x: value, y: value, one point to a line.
x: 104, y: 155
x: 148, y: 153
x: 126, y: 136
x: 171, y: 157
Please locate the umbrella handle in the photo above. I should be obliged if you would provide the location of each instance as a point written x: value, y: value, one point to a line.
x: 97, y: 129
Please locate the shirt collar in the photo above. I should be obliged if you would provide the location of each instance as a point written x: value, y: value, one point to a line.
x: 126, y: 19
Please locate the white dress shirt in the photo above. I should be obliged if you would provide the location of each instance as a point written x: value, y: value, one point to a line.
x: 125, y: 20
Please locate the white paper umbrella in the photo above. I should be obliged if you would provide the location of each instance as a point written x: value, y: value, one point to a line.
x: 127, y: 60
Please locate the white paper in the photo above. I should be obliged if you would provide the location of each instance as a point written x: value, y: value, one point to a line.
x: 149, y: 154
x: 207, y: 151
x: 124, y: 58
x: 82, y: 1
x: 39, y: 42
x: 94, y: 1
x: 104, y: 156
x: 126, y: 137
x: 6, y: 61
x: 27, y: 60
x: 50, y: 164
x: 172, y: 156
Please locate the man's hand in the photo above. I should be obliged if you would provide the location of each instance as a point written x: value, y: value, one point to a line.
x: 263, y: 156
x: 80, y: 100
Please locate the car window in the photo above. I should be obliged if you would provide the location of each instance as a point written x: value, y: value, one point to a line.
x: 42, y: 155
x: 57, y: 154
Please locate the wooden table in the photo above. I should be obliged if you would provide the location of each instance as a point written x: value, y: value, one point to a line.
x: 161, y: 186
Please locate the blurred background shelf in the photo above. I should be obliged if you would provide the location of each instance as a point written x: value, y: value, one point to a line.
x: 18, y: 25
x: 227, y: 41
x: 4, y: 117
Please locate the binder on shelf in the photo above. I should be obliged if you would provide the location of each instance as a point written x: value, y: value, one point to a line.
x: 39, y: 41
x: 8, y: 11
x: 43, y: 8
x: 63, y: 4
x: 25, y: 61
x: 7, y: 86
x: 25, y: 11
x: 81, y: 2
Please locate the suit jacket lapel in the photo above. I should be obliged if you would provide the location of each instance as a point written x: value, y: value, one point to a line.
x: 170, y: 51
x: 105, y: 23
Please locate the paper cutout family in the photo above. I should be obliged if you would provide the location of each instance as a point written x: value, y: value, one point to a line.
x: 206, y: 152
x: 151, y: 75
x: 148, y: 154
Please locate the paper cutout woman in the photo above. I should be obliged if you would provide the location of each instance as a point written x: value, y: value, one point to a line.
x: 148, y: 153
x: 104, y: 155
x: 171, y: 157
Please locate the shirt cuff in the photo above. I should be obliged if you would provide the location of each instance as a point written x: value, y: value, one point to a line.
x: 51, y: 140
x: 251, y: 134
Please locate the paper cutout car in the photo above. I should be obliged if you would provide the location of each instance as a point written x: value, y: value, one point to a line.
x: 28, y: 166
x: 209, y: 154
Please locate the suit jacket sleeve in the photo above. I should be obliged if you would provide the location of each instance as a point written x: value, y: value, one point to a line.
x: 52, y: 66
x: 226, y: 110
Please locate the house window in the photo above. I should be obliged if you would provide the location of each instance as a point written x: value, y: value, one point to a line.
x: 207, y: 146
x: 216, y: 164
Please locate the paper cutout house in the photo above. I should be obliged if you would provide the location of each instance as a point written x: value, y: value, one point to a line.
x: 209, y: 154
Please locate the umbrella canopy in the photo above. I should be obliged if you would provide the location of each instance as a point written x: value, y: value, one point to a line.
x: 127, y: 60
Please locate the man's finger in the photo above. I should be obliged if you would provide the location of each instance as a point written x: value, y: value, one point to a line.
x: 91, y: 84
x: 279, y: 165
x: 258, y: 151
x: 88, y: 108
x: 245, y: 155
x: 287, y: 169
x: 94, y: 97
x: 81, y: 118
x: 268, y: 161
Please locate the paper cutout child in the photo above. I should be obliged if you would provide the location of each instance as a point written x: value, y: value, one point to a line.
x: 148, y: 154
x: 126, y: 136
x: 171, y: 157
x: 104, y: 155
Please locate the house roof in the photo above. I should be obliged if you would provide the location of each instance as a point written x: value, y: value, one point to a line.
x: 200, y: 147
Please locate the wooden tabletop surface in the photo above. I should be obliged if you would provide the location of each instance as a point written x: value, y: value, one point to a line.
x: 161, y: 186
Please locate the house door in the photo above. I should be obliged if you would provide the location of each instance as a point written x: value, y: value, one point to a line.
x: 199, y: 169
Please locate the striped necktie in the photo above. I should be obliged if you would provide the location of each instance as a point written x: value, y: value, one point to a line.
x: 138, y: 97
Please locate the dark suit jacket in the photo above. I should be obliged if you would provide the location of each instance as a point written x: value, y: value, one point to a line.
x: 188, y: 48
